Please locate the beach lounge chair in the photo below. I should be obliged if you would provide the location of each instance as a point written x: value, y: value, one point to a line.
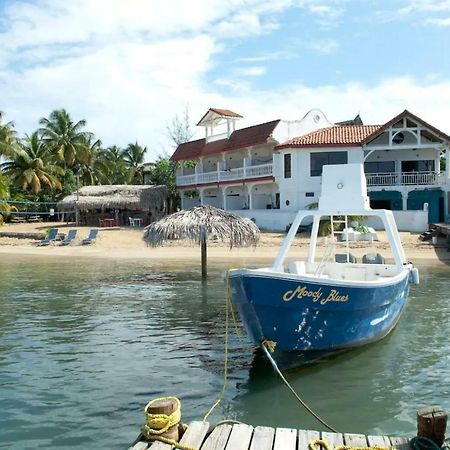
x: 71, y: 235
x: 91, y: 238
x: 52, y: 235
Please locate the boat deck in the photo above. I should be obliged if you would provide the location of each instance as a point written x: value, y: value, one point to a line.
x: 246, y: 437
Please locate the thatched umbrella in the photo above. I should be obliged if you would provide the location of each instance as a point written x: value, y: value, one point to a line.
x: 199, y: 223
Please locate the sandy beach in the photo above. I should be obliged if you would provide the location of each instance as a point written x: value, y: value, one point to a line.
x: 127, y: 243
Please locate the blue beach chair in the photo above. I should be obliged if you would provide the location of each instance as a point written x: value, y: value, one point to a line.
x: 71, y: 235
x: 91, y: 238
x: 52, y: 235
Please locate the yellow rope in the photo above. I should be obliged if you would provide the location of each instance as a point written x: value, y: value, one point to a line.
x: 225, y: 364
x: 317, y: 443
x: 157, y: 424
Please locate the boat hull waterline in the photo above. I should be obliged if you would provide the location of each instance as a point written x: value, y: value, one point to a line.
x: 300, y: 314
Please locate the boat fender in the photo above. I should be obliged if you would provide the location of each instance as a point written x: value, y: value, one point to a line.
x: 414, y: 276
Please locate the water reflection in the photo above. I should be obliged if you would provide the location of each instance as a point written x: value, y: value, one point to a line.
x: 83, y: 347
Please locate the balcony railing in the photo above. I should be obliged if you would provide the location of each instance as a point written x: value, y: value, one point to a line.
x: 240, y: 173
x: 404, y: 179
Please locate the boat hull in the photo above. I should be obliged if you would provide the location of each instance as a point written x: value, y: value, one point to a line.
x: 304, y: 314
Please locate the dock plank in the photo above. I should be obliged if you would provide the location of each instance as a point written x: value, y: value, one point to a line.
x: 263, y: 438
x: 240, y: 437
x: 139, y: 446
x: 400, y: 443
x: 158, y: 445
x: 333, y: 439
x: 218, y: 439
x: 379, y: 441
x: 355, y: 440
x: 195, y: 434
x: 285, y: 439
x: 305, y: 437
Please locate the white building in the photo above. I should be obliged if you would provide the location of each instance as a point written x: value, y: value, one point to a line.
x: 265, y: 173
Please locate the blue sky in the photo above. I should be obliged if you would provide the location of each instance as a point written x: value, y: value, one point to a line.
x: 128, y: 67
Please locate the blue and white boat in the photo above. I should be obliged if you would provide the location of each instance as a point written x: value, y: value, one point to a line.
x: 331, y: 302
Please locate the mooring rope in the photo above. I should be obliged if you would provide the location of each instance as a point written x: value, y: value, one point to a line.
x: 286, y: 382
x: 157, y: 424
x: 318, y: 443
x: 225, y: 364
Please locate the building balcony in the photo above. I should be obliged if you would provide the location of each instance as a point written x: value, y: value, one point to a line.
x: 405, y: 179
x: 240, y: 173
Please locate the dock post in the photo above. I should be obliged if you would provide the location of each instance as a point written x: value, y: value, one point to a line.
x: 165, y: 406
x: 431, y: 423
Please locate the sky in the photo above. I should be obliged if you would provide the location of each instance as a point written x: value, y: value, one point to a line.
x: 130, y: 66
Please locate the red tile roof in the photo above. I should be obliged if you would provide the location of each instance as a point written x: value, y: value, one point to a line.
x: 245, y: 137
x: 220, y: 112
x: 333, y: 136
x: 225, y: 112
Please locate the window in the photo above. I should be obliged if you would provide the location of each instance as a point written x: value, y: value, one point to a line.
x: 309, y: 194
x: 418, y: 166
x: 379, y: 167
x: 287, y: 165
x: 318, y: 160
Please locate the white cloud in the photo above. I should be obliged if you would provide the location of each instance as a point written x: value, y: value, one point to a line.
x: 254, y: 71
x: 323, y: 46
x: 440, y: 22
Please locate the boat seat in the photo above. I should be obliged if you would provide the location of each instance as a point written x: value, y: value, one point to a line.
x: 342, y: 258
x: 373, y: 258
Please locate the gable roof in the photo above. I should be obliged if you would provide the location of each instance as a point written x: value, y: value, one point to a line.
x: 245, y: 137
x: 402, y: 115
x: 341, y: 135
x: 220, y: 112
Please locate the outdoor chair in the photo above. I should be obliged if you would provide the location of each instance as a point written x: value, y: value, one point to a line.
x: 91, y: 237
x: 71, y: 235
x: 52, y: 236
x: 342, y: 258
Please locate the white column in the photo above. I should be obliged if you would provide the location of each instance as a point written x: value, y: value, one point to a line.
x: 404, y: 200
x: 247, y: 162
x: 200, y: 191
x: 182, y: 199
x: 250, y: 199
x: 224, y: 198
x: 447, y: 166
x: 198, y: 168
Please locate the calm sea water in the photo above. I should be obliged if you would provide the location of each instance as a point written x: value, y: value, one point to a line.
x: 85, y: 344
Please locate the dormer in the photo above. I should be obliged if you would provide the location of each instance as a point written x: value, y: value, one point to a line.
x: 218, y: 123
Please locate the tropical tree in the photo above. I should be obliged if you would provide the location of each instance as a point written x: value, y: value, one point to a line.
x: 134, y: 156
x: 64, y: 137
x: 163, y: 173
x: 89, y: 165
x: 7, y: 135
x: 116, y: 169
x: 31, y: 165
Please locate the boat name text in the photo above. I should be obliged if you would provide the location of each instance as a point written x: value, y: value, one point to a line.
x: 316, y: 296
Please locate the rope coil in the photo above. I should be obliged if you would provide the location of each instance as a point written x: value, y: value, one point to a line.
x: 318, y: 443
x: 158, y: 424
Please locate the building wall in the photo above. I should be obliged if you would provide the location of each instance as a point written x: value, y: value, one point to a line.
x: 302, y: 189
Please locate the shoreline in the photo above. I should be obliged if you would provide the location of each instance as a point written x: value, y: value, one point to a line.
x: 127, y: 244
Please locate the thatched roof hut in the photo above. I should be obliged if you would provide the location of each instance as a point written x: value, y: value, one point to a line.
x: 130, y: 197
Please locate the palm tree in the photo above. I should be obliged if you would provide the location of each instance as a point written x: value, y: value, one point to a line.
x: 116, y: 169
x: 66, y: 138
x: 133, y: 156
x: 90, y: 166
x: 31, y: 165
x: 7, y: 135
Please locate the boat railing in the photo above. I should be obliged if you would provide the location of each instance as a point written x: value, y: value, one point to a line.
x: 326, y: 258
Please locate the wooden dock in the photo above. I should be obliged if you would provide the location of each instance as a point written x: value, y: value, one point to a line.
x: 246, y: 437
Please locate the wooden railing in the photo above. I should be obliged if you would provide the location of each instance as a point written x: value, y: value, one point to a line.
x: 239, y: 173
x: 404, y: 179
